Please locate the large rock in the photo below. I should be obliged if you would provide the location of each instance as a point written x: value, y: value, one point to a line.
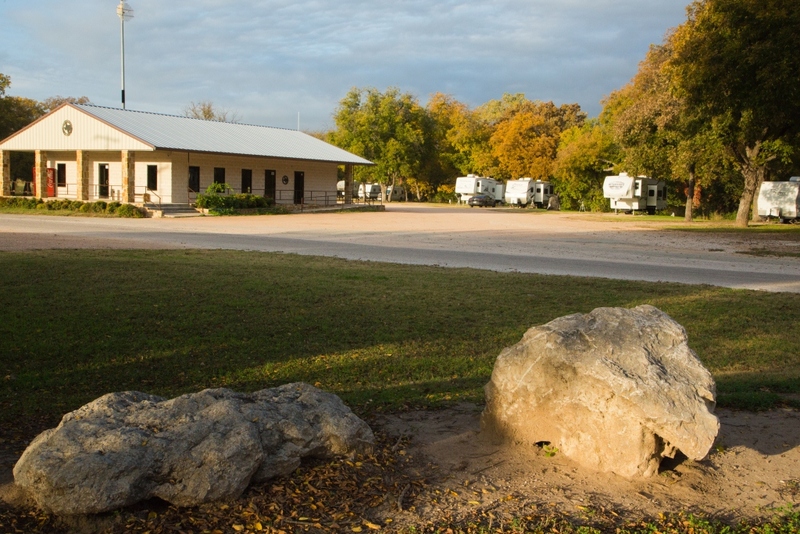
x: 126, y: 447
x: 615, y: 390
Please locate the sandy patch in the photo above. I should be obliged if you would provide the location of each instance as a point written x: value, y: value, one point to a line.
x: 753, y: 469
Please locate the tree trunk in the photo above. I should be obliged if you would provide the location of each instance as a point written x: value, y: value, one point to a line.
x: 753, y: 174
x: 690, y: 194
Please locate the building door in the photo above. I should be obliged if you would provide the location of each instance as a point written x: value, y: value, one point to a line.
x: 247, y: 180
x: 299, y: 186
x: 194, y: 179
x: 269, y: 184
x: 102, y: 180
x: 152, y: 177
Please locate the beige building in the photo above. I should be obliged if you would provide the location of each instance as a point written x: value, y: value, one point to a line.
x: 90, y: 153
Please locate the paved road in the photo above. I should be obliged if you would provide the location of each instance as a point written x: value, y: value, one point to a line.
x: 500, y: 240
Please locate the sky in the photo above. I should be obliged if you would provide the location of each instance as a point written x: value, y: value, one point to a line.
x: 270, y: 61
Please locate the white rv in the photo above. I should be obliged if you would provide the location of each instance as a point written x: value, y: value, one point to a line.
x: 629, y: 193
x: 395, y: 193
x: 471, y: 185
x: 526, y: 191
x: 340, y: 189
x: 780, y: 199
x: 369, y: 191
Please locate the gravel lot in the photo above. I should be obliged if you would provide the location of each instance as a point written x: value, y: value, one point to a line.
x: 604, y: 245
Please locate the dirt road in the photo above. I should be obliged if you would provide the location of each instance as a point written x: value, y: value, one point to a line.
x: 602, y: 245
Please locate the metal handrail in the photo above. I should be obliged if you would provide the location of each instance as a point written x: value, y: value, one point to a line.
x: 146, y: 195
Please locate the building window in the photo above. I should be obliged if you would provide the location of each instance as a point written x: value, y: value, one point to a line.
x: 152, y: 177
x: 247, y: 180
x: 194, y: 179
x: 219, y: 175
x: 61, y: 175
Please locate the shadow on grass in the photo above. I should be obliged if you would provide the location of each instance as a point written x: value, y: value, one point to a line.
x: 76, y: 325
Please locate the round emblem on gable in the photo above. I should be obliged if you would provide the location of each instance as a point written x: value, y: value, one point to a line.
x: 285, y: 180
x: 66, y: 127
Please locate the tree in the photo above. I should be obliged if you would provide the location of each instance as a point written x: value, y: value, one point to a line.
x: 736, y: 67
x: 525, y: 139
x: 390, y: 129
x: 49, y: 104
x: 586, y: 154
x: 206, y: 110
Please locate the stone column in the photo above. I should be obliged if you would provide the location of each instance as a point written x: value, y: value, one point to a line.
x: 40, y: 174
x: 128, y: 160
x: 348, y: 184
x: 5, y: 173
x: 82, y: 180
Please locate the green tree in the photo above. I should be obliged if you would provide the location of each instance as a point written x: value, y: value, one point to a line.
x: 586, y: 155
x: 390, y: 129
x: 735, y: 64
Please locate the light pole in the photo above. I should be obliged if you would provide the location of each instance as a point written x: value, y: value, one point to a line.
x: 125, y: 12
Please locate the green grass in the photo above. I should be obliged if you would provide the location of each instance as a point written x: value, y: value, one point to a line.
x: 77, y: 324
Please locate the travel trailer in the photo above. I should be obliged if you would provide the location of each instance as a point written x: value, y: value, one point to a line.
x: 629, y: 193
x: 340, y: 189
x: 471, y: 185
x: 369, y: 191
x: 395, y: 193
x: 780, y: 199
x: 525, y: 191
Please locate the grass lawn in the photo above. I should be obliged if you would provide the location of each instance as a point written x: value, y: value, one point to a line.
x: 76, y: 325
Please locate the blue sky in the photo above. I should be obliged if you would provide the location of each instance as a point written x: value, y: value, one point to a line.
x: 268, y: 60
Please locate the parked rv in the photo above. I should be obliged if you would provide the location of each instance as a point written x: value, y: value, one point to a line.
x: 340, y: 189
x: 369, y: 191
x: 780, y: 200
x: 525, y: 191
x: 395, y: 193
x: 629, y: 193
x: 470, y: 185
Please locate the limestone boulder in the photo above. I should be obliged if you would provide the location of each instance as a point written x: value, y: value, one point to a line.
x: 615, y: 390
x: 127, y: 447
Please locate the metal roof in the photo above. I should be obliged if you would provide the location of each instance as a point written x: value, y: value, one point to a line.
x: 172, y: 132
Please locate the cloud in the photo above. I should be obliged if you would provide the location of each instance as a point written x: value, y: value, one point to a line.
x: 268, y: 60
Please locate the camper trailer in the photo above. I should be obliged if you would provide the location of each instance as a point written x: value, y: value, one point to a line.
x: 471, y: 185
x: 395, y: 193
x: 525, y: 191
x: 631, y: 194
x: 780, y: 199
x: 340, y: 189
x: 369, y: 191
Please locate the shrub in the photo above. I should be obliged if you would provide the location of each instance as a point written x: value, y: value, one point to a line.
x: 129, y: 210
x: 85, y: 208
x: 75, y: 205
x: 99, y: 206
x: 113, y: 207
x: 42, y: 206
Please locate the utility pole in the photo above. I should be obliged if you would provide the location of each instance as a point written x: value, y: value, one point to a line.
x: 125, y: 12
